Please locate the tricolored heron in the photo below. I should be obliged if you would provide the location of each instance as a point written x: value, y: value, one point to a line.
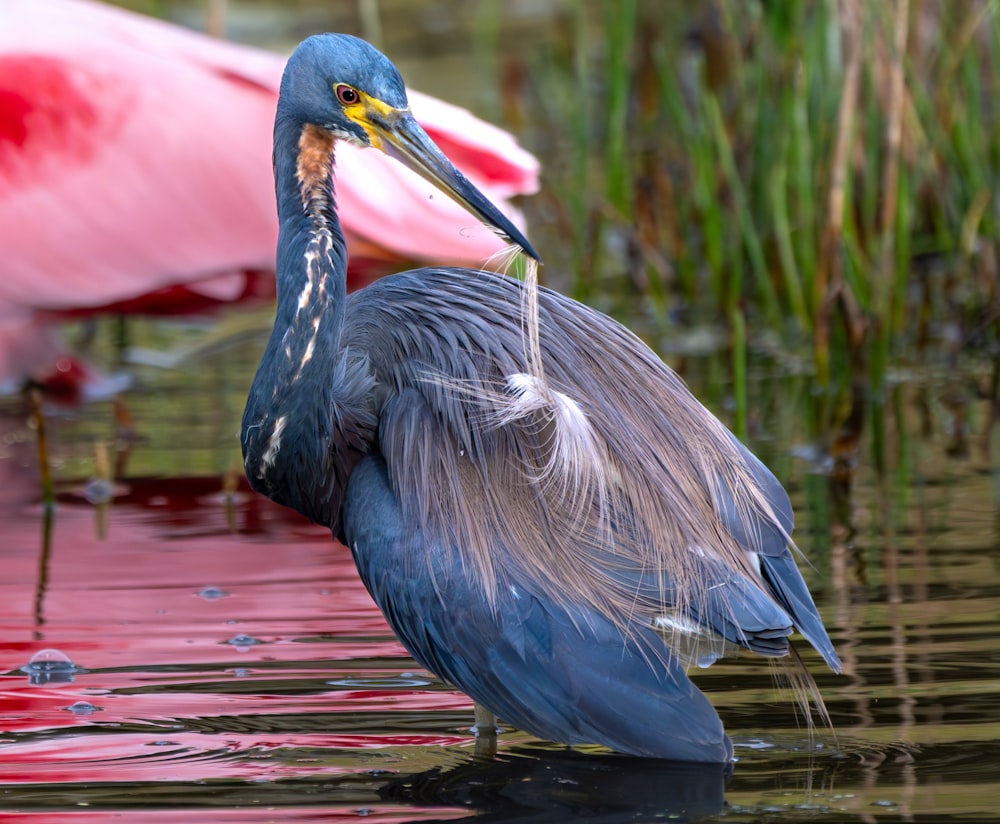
x: 562, y: 592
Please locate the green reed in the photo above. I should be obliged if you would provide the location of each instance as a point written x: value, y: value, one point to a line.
x: 785, y: 166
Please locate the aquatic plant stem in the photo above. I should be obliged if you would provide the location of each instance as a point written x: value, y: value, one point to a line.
x: 44, y: 468
x: 883, y: 298
x: 738, y: 325
x: 828, y: 283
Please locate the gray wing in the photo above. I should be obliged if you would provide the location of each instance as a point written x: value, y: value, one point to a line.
x: 687, y: 519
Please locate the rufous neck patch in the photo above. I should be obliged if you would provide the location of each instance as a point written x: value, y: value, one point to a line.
x: 315, y: 155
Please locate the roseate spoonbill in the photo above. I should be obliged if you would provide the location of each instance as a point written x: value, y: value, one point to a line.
x: 552, y: 551
x: 134, y: 174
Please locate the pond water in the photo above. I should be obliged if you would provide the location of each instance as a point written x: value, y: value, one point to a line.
x: 192, y: 652
x: 215, y: 654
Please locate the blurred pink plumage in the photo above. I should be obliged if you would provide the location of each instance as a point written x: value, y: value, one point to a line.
x: 135, y: 175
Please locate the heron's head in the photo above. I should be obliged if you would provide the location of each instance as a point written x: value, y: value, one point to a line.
x: 348, y: 88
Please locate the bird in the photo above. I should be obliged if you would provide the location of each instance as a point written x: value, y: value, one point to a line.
x: 134, y: 176
x: 559, y: 536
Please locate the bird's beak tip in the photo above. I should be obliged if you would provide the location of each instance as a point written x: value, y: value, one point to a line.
x: 529, y: 250
x: 407, y: 142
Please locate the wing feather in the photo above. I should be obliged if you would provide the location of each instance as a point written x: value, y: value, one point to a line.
x: 677, y: 494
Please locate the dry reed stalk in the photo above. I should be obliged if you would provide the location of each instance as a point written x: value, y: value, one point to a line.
x: 829, y: 283
x: 893, y: 141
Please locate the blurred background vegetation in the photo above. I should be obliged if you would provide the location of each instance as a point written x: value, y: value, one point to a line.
x: 813, y: 181
x: 825, y: 171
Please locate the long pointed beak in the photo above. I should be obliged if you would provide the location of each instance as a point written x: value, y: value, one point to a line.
x: 403, y: 138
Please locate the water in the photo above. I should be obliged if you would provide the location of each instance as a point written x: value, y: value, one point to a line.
x: 213, y: 651
x: 192, y: 652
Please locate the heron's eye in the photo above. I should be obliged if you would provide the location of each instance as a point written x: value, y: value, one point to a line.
x: 347, y: 95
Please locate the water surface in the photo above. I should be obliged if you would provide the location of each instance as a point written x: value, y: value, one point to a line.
x: 226, y: 656
x: 217, y: 659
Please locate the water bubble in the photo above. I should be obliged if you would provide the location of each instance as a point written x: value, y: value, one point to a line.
x: 82, y: 708
x: 211, y: 593
x: 412, y: 679
x: 98, y: 491
x: 243, y: 642
x: 757, y: 744
x: 50, y: 666
x: 239, y: 672
x: 387, y: 682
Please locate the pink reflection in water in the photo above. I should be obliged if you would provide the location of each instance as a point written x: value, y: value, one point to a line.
x: 326, y: 815
x: 187, y: 757
x: 150, y: 613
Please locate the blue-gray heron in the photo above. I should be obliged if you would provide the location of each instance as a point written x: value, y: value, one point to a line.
x: 558, y: 560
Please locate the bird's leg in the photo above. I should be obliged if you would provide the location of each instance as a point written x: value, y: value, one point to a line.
x: 485, y: 730
x: 100, y: 488
x: 485, y: 723
x: 230, y: 486
x: 48, y: 503
x: 44, y: 469
x: 126, y: 436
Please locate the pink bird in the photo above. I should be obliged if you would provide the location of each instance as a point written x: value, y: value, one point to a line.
x: 135, y: 175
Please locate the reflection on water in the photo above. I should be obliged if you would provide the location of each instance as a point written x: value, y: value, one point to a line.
x: 212, y: 650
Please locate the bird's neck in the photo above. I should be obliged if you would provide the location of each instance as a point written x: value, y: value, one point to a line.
x: 312, y: 256
x: 286, y: 434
